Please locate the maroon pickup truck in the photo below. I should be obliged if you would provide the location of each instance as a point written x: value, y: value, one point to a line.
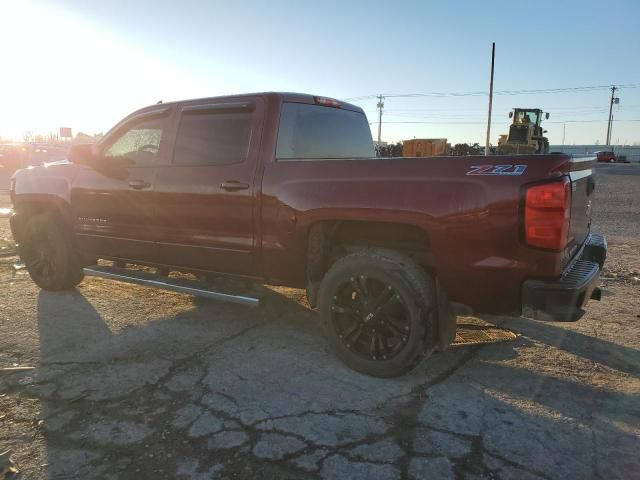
x: 285, y: 189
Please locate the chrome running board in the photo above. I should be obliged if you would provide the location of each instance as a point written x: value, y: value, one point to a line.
x: 181, y: 286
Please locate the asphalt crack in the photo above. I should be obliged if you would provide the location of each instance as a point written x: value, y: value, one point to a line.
x: 405, y: 418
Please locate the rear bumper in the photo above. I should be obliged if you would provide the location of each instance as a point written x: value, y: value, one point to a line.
x: 564, y: 299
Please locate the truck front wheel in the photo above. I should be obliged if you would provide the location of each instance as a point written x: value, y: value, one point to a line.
x: 378, y: 308
x: 48, y: 254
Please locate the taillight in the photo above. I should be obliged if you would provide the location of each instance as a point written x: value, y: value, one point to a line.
x: 547, y: 214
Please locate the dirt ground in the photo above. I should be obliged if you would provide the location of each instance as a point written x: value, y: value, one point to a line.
x: 137, y: 383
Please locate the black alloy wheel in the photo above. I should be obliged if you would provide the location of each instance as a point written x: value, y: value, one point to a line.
x: 370, y: 318
x: 379, y: 311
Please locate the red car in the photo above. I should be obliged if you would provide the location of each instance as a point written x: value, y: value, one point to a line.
x: 606, y: 156
x: 285, y: 189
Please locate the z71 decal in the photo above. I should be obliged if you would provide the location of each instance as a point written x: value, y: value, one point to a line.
x: 497, y: 170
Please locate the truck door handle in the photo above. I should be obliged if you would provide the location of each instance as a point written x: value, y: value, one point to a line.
x: 139, y: 184
x: 233, y: 185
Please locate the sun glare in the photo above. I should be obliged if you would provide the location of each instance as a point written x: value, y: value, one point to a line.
x: 67, y: 71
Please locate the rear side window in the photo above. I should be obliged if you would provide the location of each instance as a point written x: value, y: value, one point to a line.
x: 317, y: 132
x: 212, y: 137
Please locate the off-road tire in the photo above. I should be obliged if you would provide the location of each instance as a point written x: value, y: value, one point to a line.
x: 48, y: 252
x: 417, y: 292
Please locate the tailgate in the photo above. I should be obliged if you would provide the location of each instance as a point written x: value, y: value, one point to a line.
x: 582, y: 194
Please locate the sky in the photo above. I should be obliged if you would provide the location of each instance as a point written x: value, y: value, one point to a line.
x: 85, y: 64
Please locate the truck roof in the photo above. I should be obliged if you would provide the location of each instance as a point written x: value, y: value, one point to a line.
x: 284, y: 96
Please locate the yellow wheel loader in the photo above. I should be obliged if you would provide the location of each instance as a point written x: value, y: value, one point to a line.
x: 525, y: 133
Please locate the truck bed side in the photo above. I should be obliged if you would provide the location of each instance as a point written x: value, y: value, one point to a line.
x: 470, y: 217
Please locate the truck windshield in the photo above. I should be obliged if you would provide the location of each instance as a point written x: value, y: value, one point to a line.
x: 318, y: 132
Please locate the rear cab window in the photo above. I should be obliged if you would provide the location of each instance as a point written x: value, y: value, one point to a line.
x: 319, y: 132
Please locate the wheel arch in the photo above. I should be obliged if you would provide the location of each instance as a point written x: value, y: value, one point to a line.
x: 328, y: 240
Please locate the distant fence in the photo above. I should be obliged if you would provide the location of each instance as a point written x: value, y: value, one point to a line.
x: 632, y: 153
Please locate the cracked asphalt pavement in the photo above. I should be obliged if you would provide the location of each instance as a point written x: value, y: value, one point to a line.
x: 132, y: 383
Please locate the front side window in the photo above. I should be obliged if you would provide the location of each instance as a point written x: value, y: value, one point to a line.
x: 139, y: 144
x: 212, y: 137
x: 317, y: 132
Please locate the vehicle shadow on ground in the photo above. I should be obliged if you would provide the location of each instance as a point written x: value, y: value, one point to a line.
x: 284, y: 369
x: 568, y: 396
x: 617, y: 357
x: 78, y: 348
x: 68, y: 322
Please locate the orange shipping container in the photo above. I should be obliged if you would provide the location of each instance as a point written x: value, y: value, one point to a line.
x: 424, y: 147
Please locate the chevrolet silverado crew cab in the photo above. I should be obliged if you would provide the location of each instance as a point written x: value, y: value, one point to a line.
x: 285, y: 189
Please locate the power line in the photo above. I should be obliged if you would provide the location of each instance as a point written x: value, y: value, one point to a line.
x: 501, y: 92
x: 598, y: 121
x: 498, y: 121
x: 465, y: 111
x: 458, y: 115
x: 463, y: 116
x: 436, y: 118
x: 461, y: 110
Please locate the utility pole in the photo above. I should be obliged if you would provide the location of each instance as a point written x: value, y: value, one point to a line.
x: 380, y: 107
x: 615, y: 100
x: 487, y: 142
x: 564, y: 130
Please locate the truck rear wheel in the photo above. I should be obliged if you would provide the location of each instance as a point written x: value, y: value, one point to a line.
x: 378, y: 311
x: 48, y: 254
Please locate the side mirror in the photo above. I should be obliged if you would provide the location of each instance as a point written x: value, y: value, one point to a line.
x: 82, y: 154
x: 510, y: 114
x: 547, y: 116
